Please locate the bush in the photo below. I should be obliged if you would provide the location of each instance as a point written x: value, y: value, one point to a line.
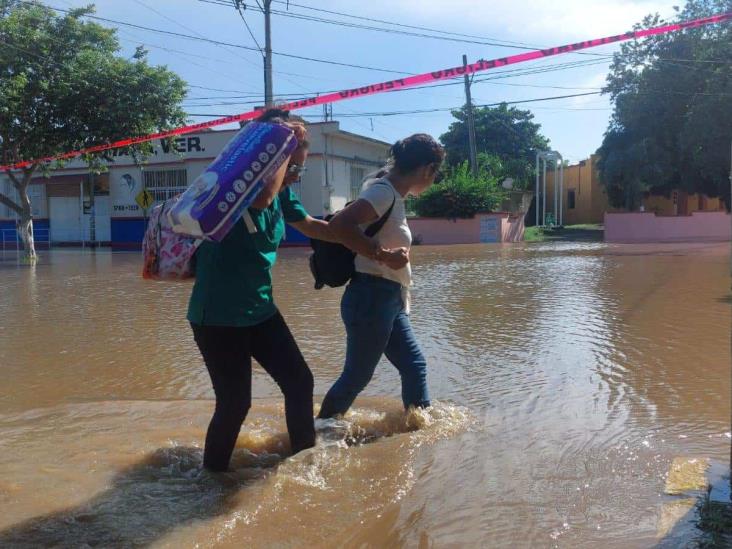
x: 460, y: 195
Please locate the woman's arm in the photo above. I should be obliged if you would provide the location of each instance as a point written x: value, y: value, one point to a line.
x: 315, y: 228
x: 272, y: 187
x: 345, y: 228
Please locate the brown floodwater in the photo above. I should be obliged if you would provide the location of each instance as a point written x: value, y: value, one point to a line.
x: 566, y: 379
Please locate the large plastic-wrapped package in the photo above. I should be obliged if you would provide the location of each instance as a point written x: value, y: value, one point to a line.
x: 217, y: 198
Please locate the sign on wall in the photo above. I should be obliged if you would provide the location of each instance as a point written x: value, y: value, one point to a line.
x: 125, y: 186
x: 202, y: 146
x: 489, y: 229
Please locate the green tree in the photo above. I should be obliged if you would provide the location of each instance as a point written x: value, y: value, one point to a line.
x: 62, y: 87
x: 505, y: 132
x: 460, y: 195
x: 671, y: 126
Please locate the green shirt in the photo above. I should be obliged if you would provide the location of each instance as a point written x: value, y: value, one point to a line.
x: 234, y: 277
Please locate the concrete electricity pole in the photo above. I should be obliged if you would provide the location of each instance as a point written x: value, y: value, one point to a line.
x: 267, y: 54
x: 471, y: 123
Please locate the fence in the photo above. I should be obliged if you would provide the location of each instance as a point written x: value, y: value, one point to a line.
x: 10, y: 238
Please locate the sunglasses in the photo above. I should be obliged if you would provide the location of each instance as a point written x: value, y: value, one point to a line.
x: 296, y: 169
x: 439, y: 175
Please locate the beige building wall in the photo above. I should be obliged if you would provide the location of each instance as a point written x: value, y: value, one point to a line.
x: 582, y: 188
x: 584, y: 200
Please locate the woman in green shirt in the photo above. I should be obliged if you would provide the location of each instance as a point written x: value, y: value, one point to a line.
x: 234, y: 318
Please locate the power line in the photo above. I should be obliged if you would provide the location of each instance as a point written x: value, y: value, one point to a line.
x: 146, y: 44
x: 508, y: 43
x: 499, y: 75
x: 138, y: 41
x: 188, y: 54
x: 237, y: 2
x: 212, y: 41
x: 541, y: 69
x: 249, y: 48
x: 224, y: 48
x: 516, y: 102
x: 141, y: 3
x: 444, y: 109
x: 305, y: 17
x: 238, y: 9
x: 483, y: 40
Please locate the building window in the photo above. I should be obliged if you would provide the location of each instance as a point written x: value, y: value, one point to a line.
x: 357, y: 176
x: 8, y: 190
x: 165, y: 184
x: 36, y: 195
x: 570, y: 200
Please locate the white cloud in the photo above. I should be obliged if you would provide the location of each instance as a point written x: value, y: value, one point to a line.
x: 531, y: 21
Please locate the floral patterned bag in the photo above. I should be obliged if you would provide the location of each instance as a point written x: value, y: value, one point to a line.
x: 167, y: 255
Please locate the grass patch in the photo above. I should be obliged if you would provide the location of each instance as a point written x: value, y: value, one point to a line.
x: 586, y: 227
x: 715, y: 520
x: 568, y: 233
x: 534, y: 234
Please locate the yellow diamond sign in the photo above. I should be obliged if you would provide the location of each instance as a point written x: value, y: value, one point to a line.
x: 145, y: 199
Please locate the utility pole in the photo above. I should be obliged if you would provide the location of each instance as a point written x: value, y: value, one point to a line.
x: 327, y: 112
x: 267, y: 54
x: 471, y: 123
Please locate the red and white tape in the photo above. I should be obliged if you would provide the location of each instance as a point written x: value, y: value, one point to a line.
x: 390, y: 85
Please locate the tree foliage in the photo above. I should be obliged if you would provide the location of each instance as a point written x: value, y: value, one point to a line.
x: 671, y: 127
x: 460, y: 194
x: 63, y: 87
x: 505, y: 132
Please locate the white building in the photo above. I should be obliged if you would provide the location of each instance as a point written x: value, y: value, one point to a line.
x: 66, y: 212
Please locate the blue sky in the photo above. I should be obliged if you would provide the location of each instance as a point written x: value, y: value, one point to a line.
x: 575, y: 125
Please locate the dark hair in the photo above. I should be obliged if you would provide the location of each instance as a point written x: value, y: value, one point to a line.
x: 274, y: 115
x: 415, y: 151
x: 280, y: 116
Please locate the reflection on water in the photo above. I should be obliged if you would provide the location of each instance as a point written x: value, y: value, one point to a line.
x: 568, y: 379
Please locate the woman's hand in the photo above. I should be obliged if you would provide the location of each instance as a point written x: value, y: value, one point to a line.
x: 301, y: 133
x: 396, y: 258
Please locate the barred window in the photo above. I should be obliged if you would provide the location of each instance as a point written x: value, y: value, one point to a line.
x: 165, y: 184
x: 357, y: 176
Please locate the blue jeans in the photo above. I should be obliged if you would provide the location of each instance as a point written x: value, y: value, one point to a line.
x: 376, y: 323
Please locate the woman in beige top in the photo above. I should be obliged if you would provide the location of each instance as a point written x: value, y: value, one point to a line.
x: 375, y: 305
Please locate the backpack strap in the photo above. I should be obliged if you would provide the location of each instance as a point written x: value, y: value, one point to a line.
x: 375, y: 227
x: 249, y: 222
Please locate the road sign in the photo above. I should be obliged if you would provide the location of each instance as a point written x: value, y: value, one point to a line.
x: 145, y: 199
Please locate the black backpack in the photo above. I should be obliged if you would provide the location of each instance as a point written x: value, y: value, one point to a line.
x: 332, y: 264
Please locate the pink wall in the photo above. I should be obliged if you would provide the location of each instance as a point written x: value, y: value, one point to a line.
x: 513, y: 228
x: 493, y: 227
x: 648, y: 227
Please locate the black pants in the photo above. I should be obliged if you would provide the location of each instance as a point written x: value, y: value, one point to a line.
x: 227, y: 352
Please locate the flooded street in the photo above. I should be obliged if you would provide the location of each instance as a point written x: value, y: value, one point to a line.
x: 566, y: 378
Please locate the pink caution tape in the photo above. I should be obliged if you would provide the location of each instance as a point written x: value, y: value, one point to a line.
x: 391, y: 85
